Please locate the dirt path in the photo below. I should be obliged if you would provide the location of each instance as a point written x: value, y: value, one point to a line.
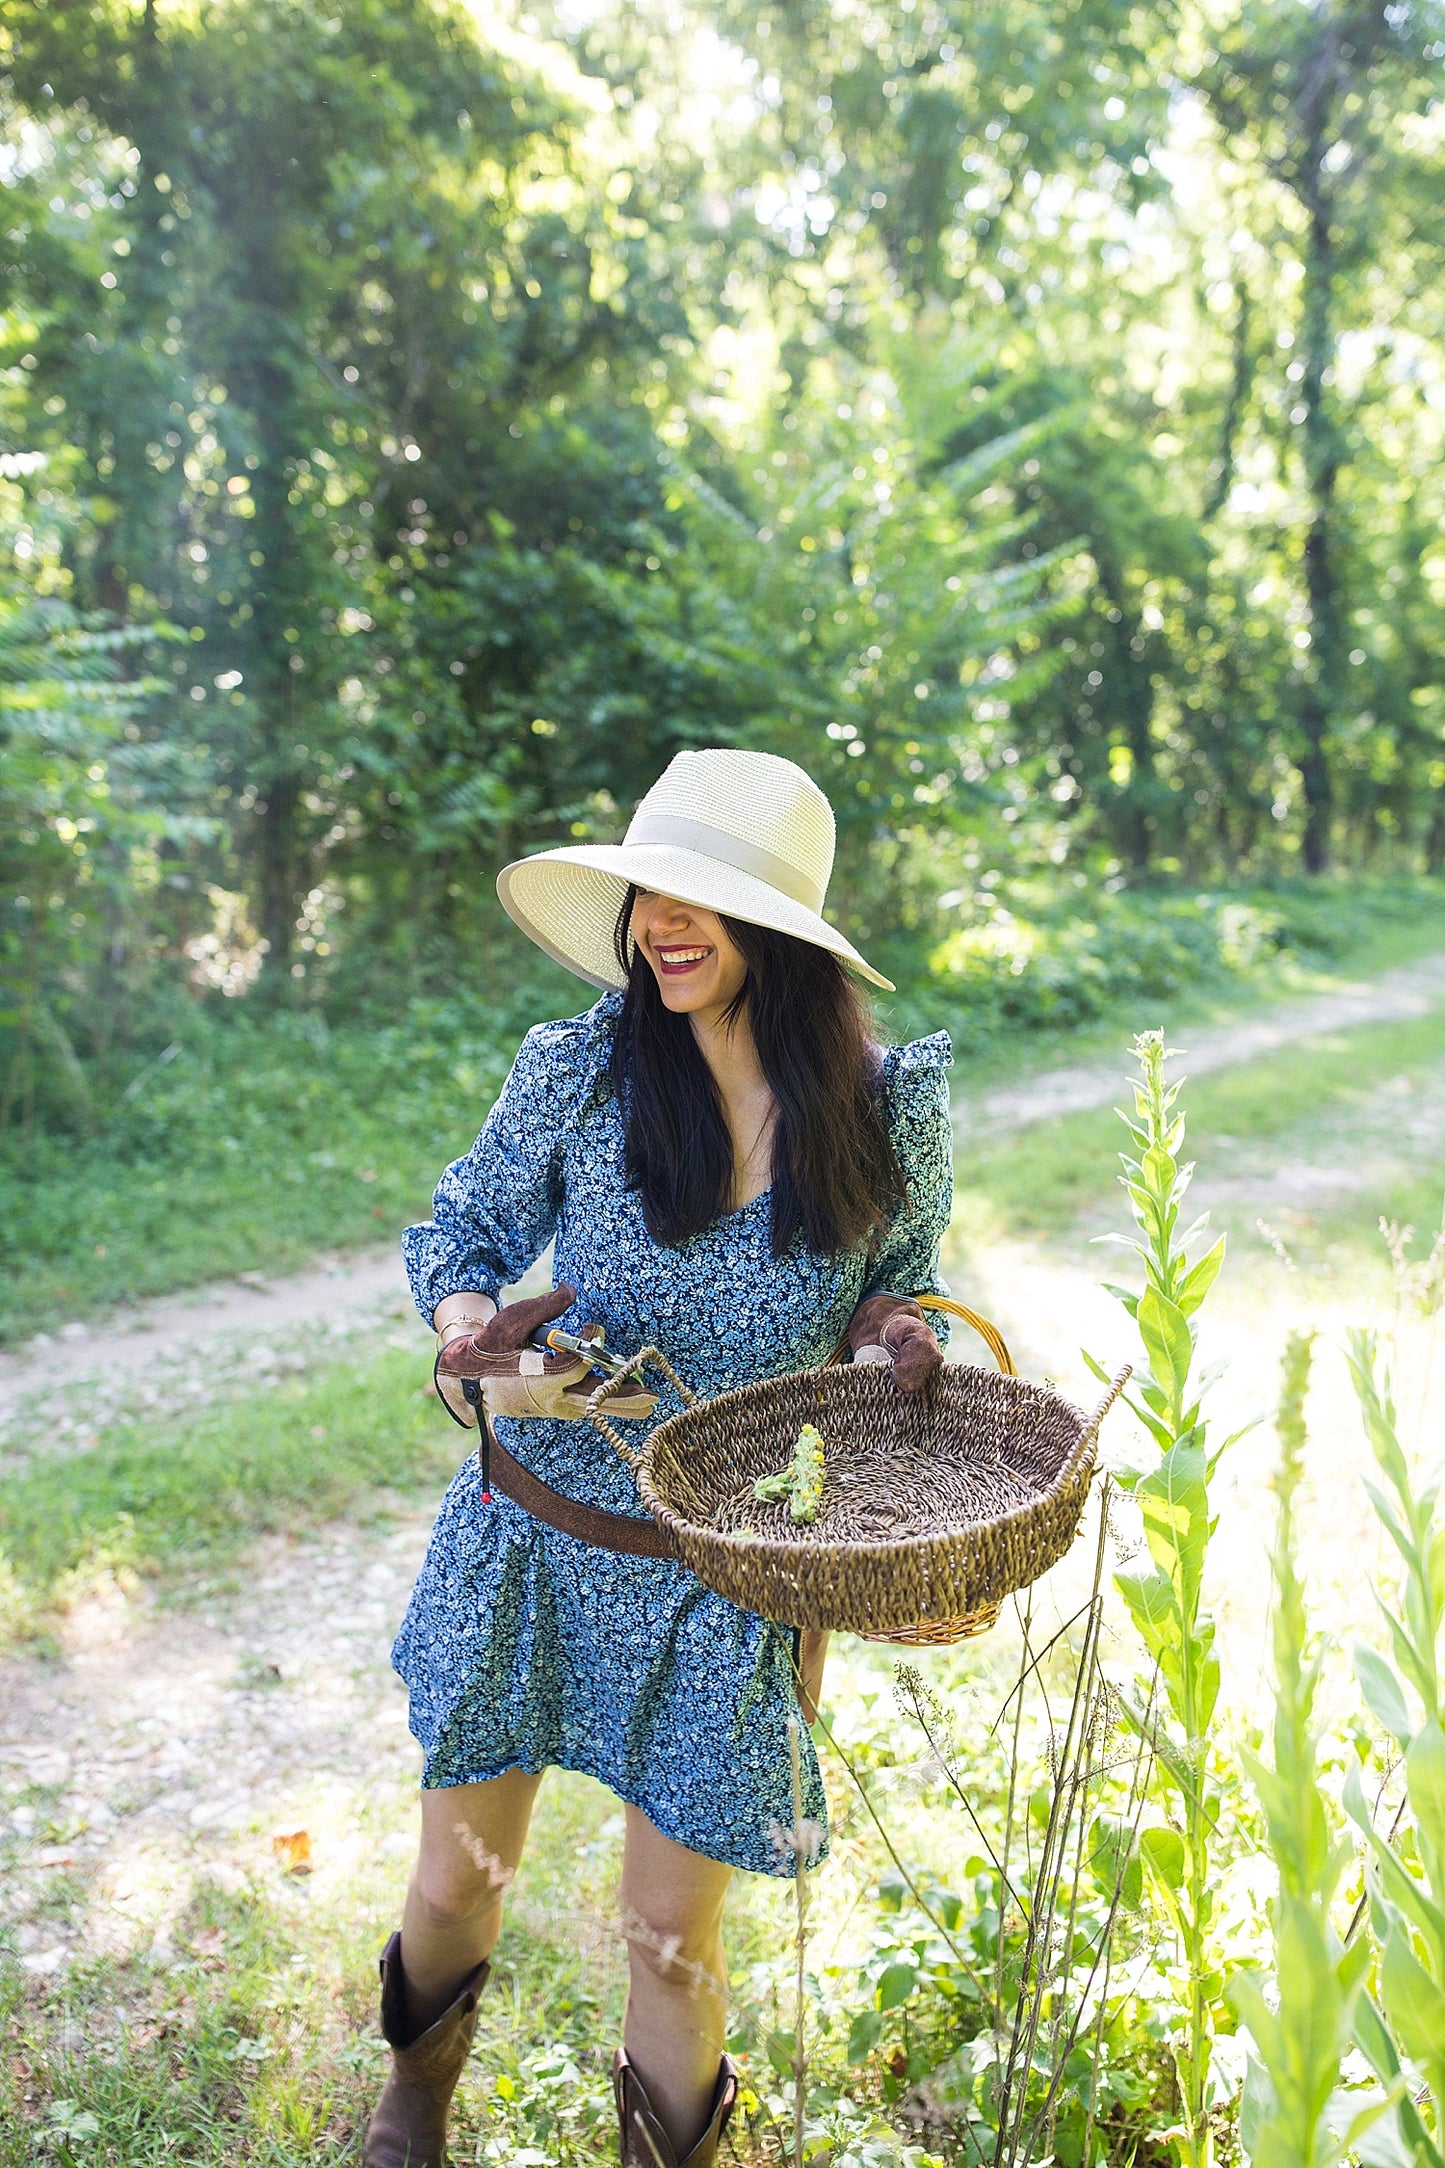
x: 185, y: 1347
x: 150, y: 1758
x: 1409, y: 991
x: 146, y: 1758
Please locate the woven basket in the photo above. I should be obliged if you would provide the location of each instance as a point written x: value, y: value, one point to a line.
x: 936, y: 1505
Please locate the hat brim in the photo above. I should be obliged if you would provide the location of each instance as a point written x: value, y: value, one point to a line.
x: 567, y: 901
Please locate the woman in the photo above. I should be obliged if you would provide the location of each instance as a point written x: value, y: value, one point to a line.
x: 732, y: 1171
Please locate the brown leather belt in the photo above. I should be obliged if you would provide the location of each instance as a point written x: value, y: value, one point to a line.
x: 589, y: 1524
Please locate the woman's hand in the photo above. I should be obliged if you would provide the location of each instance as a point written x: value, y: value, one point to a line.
x: 517, y: 1378
x: 890, y: 1329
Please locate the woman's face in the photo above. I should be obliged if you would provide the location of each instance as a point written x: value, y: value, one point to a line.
x: 699, y: 969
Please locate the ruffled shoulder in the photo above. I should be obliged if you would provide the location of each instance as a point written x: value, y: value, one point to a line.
x: 915, y: 1089
x: 919, y: 1057
x: 573, y: 1055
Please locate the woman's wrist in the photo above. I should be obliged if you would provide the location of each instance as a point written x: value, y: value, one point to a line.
x: 456, y: 1314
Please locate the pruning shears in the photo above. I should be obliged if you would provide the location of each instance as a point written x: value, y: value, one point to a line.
x: 601, y: 1358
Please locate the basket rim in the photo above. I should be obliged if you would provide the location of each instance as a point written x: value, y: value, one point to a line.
x: 766, y: 1549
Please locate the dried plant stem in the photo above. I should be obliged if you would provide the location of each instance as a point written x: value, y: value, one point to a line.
x: 955, y: 1949
x: 800, y: 1894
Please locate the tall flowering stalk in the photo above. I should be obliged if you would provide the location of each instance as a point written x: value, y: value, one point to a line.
x: 1302, y: 2023
x: 1401, y: 2029
x: 1165, y: 1599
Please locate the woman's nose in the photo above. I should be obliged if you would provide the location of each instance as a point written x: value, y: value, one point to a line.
x: 672, y: 921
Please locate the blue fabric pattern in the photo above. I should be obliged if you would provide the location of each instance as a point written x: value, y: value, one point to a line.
x: 525, y: 1649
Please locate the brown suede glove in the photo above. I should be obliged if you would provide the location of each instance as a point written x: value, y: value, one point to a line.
x: 517, y: 1378
x: 890, y: 1329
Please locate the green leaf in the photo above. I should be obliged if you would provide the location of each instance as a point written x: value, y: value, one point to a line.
x: 1257, y: 2105
x: 1114, y: 1860
x: 1197, y: 1282
x: 1164, y: 1329
x: 1384, y: 1697
x: 1162, y: 1849
x: 1425, y: 1781
x: 1151, y: 1604
x: 896, y: 1985
x: 781, y: 2049
x: 864, y: 2034
x: 1414, y: 2005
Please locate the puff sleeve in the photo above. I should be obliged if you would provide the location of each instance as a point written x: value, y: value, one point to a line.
x: 496, y: 1209
x: 916, y: 1089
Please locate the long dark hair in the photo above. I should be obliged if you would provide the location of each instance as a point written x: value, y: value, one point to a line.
x: 835, y: 1173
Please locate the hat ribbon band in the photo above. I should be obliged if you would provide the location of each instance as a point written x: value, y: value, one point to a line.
x: 688, y: 835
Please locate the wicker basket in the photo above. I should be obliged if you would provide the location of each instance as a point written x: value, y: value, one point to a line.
x: 936, y: 1505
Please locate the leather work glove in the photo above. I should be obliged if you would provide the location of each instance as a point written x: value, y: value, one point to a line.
x: 519, y: 1379
x: 890, y: 1329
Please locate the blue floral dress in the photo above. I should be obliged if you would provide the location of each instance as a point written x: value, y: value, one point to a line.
x: 524, y: 1648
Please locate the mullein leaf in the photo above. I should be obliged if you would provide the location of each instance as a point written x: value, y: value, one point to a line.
x: 1383, y: 1695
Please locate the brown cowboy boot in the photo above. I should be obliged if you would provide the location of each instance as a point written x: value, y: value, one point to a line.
x: 643, y: 2139
x: 409, y: 2128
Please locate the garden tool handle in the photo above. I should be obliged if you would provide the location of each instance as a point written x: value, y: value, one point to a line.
x: 633, y: 1368
x: 992, y: 1338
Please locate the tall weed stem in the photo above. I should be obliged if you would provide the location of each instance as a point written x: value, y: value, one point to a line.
x: 1165, y: 1600
x: 1301, y: 2024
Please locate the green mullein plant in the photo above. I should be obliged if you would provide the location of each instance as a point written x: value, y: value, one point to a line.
x: 1401, y: 2029
x: 1302, y: 2025
x: 1166, y: 1598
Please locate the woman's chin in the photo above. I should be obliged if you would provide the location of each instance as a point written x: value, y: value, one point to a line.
x: 683, y: 996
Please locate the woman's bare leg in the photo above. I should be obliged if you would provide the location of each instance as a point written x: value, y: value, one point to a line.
x: 672, y: 1904
x: 471, y: 1842
x: 812, y: 1656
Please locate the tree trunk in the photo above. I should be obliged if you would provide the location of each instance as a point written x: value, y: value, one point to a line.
x: 1130, y: 678
x: 1320, y: 688
x: 1241, y: 382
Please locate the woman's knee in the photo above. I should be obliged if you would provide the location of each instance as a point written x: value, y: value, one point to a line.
x: 451, y: 1887
x: 679, y: 1946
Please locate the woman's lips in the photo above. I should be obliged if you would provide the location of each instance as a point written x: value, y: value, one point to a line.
x: 676, y: 963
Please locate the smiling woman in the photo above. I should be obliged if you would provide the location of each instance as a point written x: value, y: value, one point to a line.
x: 716, y: 1114
x: 733, y: 1170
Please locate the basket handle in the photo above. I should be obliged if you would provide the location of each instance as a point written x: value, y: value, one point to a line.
x: 989, y: 1334
x: 1116, y: 1386
x: 633, y: 1367
x: 992, y: 1338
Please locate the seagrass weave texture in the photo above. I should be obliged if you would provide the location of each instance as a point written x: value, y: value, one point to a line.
x: 936, y: 1505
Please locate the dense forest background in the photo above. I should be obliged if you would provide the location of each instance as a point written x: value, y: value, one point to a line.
x: 418, y: 421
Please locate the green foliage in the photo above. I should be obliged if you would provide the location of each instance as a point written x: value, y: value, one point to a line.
x: 526, y: 420
x: 1402, y: 2027
x: 150, y: 1497
x: 1302, y: 2025
x: 249, y: 1144
x: 1166, y: 1599
x: 78, y: 831
x: 999, y: 1989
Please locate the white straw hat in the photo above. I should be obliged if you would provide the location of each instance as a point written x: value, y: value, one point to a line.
x: 747, y: 835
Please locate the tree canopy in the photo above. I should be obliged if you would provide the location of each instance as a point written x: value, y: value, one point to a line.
x: 1028, y: 417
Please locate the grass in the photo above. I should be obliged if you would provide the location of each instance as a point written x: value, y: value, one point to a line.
x: 166, y: 1498
x: 265, y: 1138
x: 1366, y: 944
x: 250, y: 2035
x: 1326, y: 1101
x: 261, y: 1140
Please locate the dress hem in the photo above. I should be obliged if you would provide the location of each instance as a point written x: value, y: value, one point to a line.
x: 783, y: 1870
